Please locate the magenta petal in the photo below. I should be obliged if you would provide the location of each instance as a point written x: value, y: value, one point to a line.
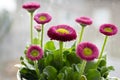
x: 38, y: 49
x: 31, y: 6
x: 113, y: 28
x: 62, y: 37
x: 80, y: 48
x: 38, y: 28
x: 37, y: 16
x: 84, y: 20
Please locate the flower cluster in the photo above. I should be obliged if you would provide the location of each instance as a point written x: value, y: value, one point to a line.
x: 77, y: 62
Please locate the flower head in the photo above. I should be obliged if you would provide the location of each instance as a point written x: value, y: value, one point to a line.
x: 108, y: 29
x: 34, y: 52
x: 42, y: 18
x: 84, y: 21
x: 31, y: 6
x: 87, y: 51
x: 62, y: 33
x: 38, y: 28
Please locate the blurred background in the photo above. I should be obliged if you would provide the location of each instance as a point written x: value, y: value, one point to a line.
x: 14, y: 28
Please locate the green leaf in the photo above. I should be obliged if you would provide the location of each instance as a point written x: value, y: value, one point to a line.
x: 90, y: 65
x: 49, y: 59
x: 63, y: 69
x: 104, y: 57
x: 41, y: 64
x: 51, y: 72
x: 102, y: 78
x: 28, y: 74
x: 23, y: 63
x: 26, y: 62
x: 93, y: 74
x: 76, y: 67
x: 36, y: 41
x: 76, y: 76
x: 57, y: 63
x: 21, y: 58
x: 29, y: 61
x: 102, y: 63
x: 111, y: 68
x: 60, y: 76
x: 68, y: 73
x: 50, y: 46
x: 72, y: 58
x: 25, y: 51
x: 66, y: 52
x: 105, y: 71
x: 43, y: 77
x: 83, y: 77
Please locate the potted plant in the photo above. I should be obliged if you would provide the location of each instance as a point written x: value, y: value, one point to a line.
x: 81, y: 61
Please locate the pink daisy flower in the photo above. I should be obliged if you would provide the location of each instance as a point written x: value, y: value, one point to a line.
x: 42, y: 18
x: 84, y: 21
x: 62, y: 33
x: 108, y: 29
x: 38, y: 28
x: 87, y: 51
x: 34, y: 53
x: 31, y: 6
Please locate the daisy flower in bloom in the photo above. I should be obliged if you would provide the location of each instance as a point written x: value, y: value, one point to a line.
x: 84, y: 21
x: 31, y: 6
x: 34, y: 52
x: 42, y: 18
x: 87, y: 51
x: 38, y: 28
x: 62, y: 33
x: 108, y: 29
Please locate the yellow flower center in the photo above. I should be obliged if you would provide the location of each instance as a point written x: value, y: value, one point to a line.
x: 108, y: 29
x: 87, y: 51
x: 62, y: 31
x: 34, y: 53
x: 42, y: 18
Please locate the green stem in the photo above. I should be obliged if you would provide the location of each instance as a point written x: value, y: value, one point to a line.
x: 37, y: 70
x: 39, y: 37
x: 61, y: 48
x: 42, y: 36
x: 101, y: 53
x: 81, y: 34
x: 103, y: 47
x: 82, y: 68
x: 31, y: 27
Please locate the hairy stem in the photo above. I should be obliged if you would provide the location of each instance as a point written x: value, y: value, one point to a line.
x: 31, y: 27
x: 82, y: 68
x: 101, y: 53
x: 61, y: 48
x: 103, y: 47
x: 81, y: 34
x: 42, y: 36
x: 39, y: 37
x: 37, y: 69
